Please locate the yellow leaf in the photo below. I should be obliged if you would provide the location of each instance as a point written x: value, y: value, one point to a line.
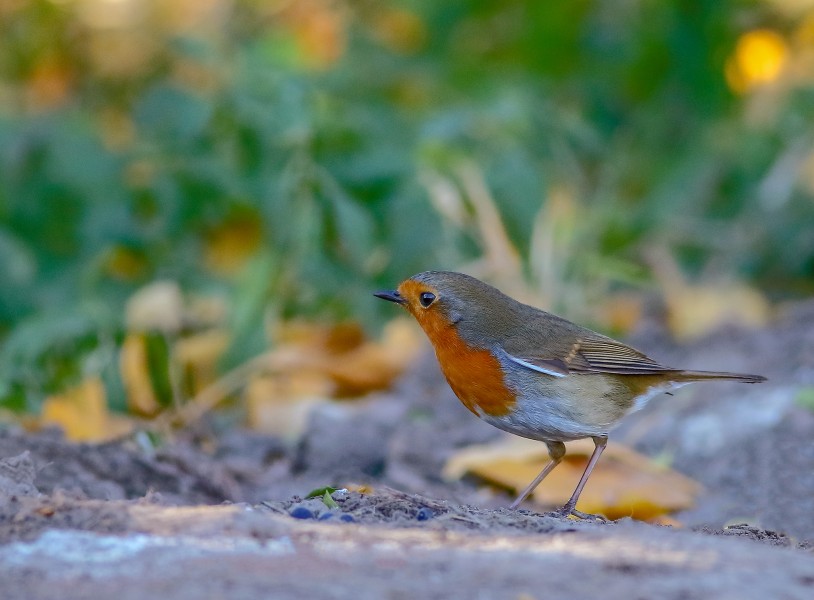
x: 82, y: 413
x: 280, y: 405
x: 198, y: 355
x: 135, y: 372
x: 621, y: 312
x: 374, y: 366
x: 624, y: 483
x: 360, y: 488
x: 313, y: 363
x: 353, y: 365
x: 693, y: 311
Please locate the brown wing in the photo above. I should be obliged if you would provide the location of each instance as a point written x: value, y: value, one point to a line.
x: 594, y: 354
x: 609, y: 356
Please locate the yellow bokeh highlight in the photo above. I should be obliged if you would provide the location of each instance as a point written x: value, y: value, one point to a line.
x: 400, y: 30
x: 124, y: 264
x: 759, y: 58
x: 232, y: 243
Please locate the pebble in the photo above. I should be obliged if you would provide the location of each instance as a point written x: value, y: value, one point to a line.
x: 424, y: 514
x: 347, y: 518
x: 300, y: 512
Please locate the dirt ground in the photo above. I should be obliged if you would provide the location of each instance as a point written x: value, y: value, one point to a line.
x: 210, y: 514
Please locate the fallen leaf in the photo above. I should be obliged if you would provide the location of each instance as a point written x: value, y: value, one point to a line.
x: 313, y: 363
x: 667, y: 521
x: 198, y: 357
x: 621, y: 312
x: 695, y: 309
x: 308, y: 365
x: 624, y: 482
x: 82, y: 413
x: 374, y: 365
x: 133, y: 365
x: 281, y: 404
x: 360, y: 489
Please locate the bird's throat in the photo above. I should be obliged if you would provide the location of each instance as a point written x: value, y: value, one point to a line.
x: 475, y: 375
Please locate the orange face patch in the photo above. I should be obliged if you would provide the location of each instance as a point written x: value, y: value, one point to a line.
x: 410, y: 290
x: 473, y: 374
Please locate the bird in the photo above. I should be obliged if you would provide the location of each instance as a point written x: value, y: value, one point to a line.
x: 532, y: 373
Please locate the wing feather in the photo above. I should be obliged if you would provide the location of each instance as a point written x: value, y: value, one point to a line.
x: 594, y: 355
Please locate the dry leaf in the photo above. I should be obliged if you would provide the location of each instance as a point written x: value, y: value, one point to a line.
x: 694, y: 310
x: 624, y: 483
x: 341, y: 353
x: 621, y: 311
x: 281, y: 404
x: 374, y: 366
x: 138, y: 384
x: 312, y: 363
x: 360, y: 488
x: 198, y: 356
x: 82, y: 413
x: 667, y: 521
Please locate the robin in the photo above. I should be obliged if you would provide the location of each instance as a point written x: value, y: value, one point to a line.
x: 532, y: 373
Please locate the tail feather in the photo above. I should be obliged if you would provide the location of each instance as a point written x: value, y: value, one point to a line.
x: 705, y: 375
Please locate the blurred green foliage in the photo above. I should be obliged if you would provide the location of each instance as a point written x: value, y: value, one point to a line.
x: 276, y: 154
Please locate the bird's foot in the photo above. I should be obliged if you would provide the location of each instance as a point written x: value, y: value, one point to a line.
x: 569, y: 511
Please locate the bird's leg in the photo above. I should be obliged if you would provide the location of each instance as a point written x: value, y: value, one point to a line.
x: 570, y: 507
x: 556, y: 450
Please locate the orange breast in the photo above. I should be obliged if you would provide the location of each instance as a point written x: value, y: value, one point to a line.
x: 477, y: 380
x: 474, y: 375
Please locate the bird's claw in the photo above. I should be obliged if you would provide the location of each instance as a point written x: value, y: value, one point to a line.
x: 569, y: 511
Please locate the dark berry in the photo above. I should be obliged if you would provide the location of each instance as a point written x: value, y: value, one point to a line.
x: 301, y: 513
x: 325, y: 516
x: 424, y: 514
x: 347, y: 518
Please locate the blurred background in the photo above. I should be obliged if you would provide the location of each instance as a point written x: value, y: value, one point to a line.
x: 187, y: 186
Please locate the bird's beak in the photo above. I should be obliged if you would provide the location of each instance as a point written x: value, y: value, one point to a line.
x: 391, y: 296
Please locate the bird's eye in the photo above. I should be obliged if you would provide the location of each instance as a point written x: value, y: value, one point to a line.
x: 426, y: 298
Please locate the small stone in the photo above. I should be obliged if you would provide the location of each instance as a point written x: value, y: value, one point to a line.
x: 424, y: 514
x: 300, y: 512
x: 347, y: 518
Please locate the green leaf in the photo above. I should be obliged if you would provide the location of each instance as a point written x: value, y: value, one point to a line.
x: 328, y: 500
x: 321, y: 491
